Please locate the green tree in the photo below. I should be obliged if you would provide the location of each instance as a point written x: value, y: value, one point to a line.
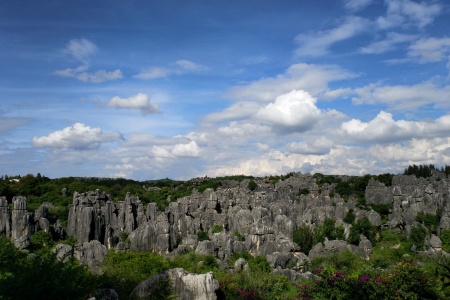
x: 417, y: 236
x: 364, y: 227
x: 252, y: 185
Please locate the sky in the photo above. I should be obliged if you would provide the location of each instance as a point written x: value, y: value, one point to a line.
x: 181, y: 89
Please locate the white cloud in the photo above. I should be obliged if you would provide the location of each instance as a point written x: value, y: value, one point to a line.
x: 161, y: 152
x: 81, y: 49
x: 318, y: 43
x: 416, y: 151
x: 78, y: 136
x: 430, y: 49
x: 180, y: 67
x: 139, y: 101
x: 96, y: 77
x: 308, y: 77
x: 388, y: 44
x: 357, y: 5
x: 236, y: 111
x: 294, y: 111
x: 153, y: 73
x: 383, y: 128
x: 317, y: 146
x: 403, y: 96
x: 185, y: 66
x: 190, y: 149
x: 236, y: 129
x: 176, y: 150
x: 408, y: 13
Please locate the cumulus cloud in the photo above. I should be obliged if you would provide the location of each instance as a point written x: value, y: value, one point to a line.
x: 308, y: 77
x: 408, y: 13
x: 78, y: 136
x: 80, y: 49
x: 183, y: 149
x: 294, y: 111
x: 317, y: 146
x: 190, y: 149
x: 403, y: 96
x: 180, y: 67
x: 238, y: 129
x: 139, y: 101
x: 383, y: 128
x: 318, y: 43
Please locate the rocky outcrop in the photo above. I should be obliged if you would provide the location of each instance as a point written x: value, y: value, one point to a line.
x: 364, y: 249
x: 5, y: 221
x: 91, y: 254
x: 259, y: 221
x: 22, y: 222
x: 186, y: 286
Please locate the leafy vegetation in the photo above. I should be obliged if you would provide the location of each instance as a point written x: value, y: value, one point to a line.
x: 41, y: 276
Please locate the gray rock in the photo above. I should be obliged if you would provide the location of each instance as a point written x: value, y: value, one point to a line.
x: 328, y: 248
x: 5, y: 221
x: 63, y: 252
x: 91, y: 254
x: 185, y: 286
x: 193, y: 286
x: 240, y: 264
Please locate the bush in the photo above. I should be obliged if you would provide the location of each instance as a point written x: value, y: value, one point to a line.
x: 430, y: 221
x: 303, y: 191
x: 125, y: 270
x: 303, y: 237
x: 417, y: 236
x: 202, y: 236
x: 364, y: 227
x: 252, y: 185
x: 259, y: 264
x: 445, y: 238
x: 239, y: 236
x: 41, y: 276
x: 350, y: 216
x: 217, y: 228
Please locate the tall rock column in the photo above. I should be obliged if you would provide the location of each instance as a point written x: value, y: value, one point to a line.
x: 21, y: 220
x: 5, y: 221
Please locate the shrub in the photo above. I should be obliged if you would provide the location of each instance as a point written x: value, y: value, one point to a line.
x: 364, y: 227
x: 350, y: 216
x: 259, y: 264
x: 430, y: 221
x: 124, y: 270
x: 303, y: 191
x: 303, y: 237
x: 445, y: 238
x: 417, y: 236
x: 217, y: 228
x: 252, y: 185
x: 41, y: 276
x: 202, y: 236
x: 239, y: 236
x: 42, y: 242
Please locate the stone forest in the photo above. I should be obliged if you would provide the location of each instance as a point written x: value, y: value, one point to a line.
x: 293, y: 236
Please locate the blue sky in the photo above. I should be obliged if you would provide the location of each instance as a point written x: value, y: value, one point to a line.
x: 179, y: 89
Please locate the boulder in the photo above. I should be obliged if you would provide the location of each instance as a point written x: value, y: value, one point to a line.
x: 185, y: 286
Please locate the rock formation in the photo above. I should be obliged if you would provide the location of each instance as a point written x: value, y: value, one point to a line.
x: 259, y: 221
